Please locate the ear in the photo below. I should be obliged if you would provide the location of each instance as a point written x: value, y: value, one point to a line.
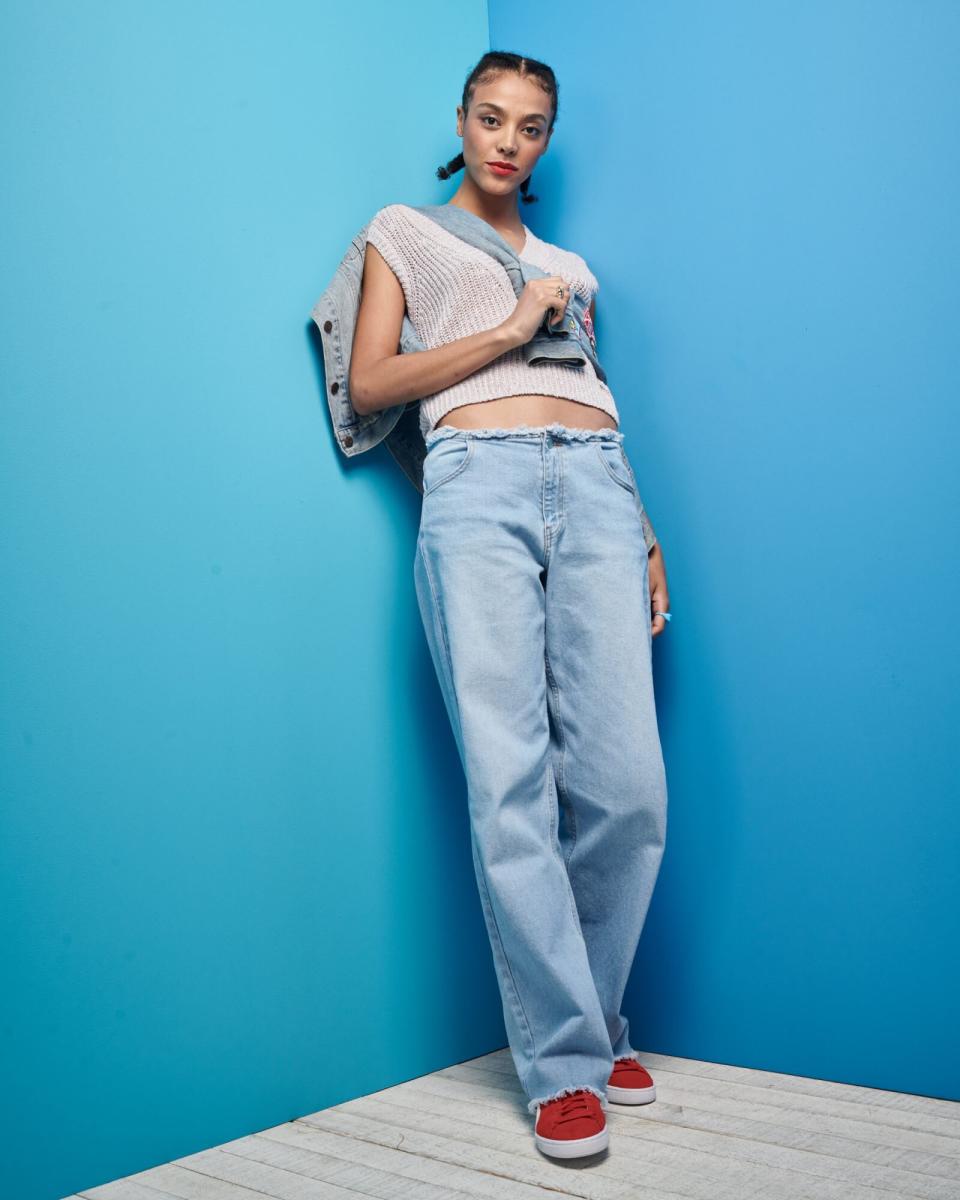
x: 461, y: 115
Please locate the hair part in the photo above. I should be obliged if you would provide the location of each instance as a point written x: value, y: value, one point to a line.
x: 494, y: 63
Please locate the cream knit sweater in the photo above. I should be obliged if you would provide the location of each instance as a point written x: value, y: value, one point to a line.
x: 453, y: 289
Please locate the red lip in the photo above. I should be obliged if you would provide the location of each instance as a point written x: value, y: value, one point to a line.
x: 502, y: 166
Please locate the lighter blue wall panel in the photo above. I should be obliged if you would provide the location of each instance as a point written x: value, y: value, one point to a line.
x: 234, y: 856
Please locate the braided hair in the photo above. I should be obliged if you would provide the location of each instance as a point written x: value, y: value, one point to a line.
x: 492, y: 64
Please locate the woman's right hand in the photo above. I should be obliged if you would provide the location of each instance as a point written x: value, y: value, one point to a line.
x: 537, y: 296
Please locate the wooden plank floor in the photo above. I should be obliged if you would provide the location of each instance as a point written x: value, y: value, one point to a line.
x: 714, y: 1133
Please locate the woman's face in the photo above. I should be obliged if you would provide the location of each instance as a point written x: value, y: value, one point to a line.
x: 507, y: 122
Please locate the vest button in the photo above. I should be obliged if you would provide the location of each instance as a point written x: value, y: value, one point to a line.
x: 327, y: 326
x: 335, y: 387
x: 348, y: 440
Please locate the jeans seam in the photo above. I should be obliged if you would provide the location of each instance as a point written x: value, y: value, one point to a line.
x: 543, y: 502
x: 561, y: 452
x: 561, y: 782
x: 553, y: 840
x: 513, y: 983
x: 448, y: 662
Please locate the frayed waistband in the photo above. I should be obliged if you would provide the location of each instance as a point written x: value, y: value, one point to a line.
x: 562, y: 433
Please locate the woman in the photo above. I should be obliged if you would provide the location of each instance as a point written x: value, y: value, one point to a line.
x: 536, y: 591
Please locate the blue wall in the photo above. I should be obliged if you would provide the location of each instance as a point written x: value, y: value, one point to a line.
x: 234, y: 856
x: 234, y: 862
x: 768, y: 194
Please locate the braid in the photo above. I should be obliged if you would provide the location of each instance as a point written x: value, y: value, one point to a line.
x: 452, y: 167
x: 493, y: 63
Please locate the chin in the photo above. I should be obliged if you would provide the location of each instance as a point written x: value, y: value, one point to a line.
x: 496, y: 187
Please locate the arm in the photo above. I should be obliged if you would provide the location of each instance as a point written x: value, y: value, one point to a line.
x: 381, y: 377
x: 659, y: 594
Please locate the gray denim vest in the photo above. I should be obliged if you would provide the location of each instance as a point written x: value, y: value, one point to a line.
x: 335, y: 315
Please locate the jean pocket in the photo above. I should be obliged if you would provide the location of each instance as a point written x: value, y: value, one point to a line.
x: 446, y: 459
x: 615, y: 463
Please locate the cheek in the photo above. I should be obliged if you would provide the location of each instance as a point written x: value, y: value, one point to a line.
x: 476, y: 144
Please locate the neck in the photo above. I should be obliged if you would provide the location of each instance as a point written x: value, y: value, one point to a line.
x: 502, y: 212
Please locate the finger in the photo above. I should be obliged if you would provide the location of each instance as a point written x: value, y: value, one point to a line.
x: 659, y: 603
x: 558, y: 308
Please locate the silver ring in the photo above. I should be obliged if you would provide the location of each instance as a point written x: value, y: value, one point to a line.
x: 666, y: 616
x: 560, y: 291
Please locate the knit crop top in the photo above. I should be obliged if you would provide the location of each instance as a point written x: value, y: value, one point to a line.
x: 453, y: 289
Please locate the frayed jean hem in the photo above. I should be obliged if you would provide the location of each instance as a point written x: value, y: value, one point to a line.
x: 568, y: 1091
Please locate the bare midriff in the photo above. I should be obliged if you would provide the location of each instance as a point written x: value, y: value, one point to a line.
x: 507, y: 411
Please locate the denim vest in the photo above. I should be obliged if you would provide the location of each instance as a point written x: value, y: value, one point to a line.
x: 335, y: 315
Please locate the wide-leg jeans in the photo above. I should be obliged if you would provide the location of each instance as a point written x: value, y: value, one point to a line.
x: 532, y: 580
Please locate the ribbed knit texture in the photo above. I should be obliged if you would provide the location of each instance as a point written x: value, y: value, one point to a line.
x: 453, y: 289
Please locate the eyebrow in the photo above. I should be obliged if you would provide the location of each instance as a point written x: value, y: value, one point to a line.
x: 497, y: 108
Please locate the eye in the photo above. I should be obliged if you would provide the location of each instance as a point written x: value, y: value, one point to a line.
x: 535, y: 130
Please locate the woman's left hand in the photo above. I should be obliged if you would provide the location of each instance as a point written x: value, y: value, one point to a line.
x: 659, y: 596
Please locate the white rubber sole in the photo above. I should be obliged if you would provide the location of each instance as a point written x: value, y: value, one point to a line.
x: 619, y: 1095
x: 579, y: 1148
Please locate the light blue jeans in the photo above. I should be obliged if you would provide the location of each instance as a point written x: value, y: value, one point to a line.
x: 532, y: 581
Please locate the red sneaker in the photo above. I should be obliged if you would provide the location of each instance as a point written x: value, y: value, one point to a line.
x: 571, y: 1126
x: 630, y: 1083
